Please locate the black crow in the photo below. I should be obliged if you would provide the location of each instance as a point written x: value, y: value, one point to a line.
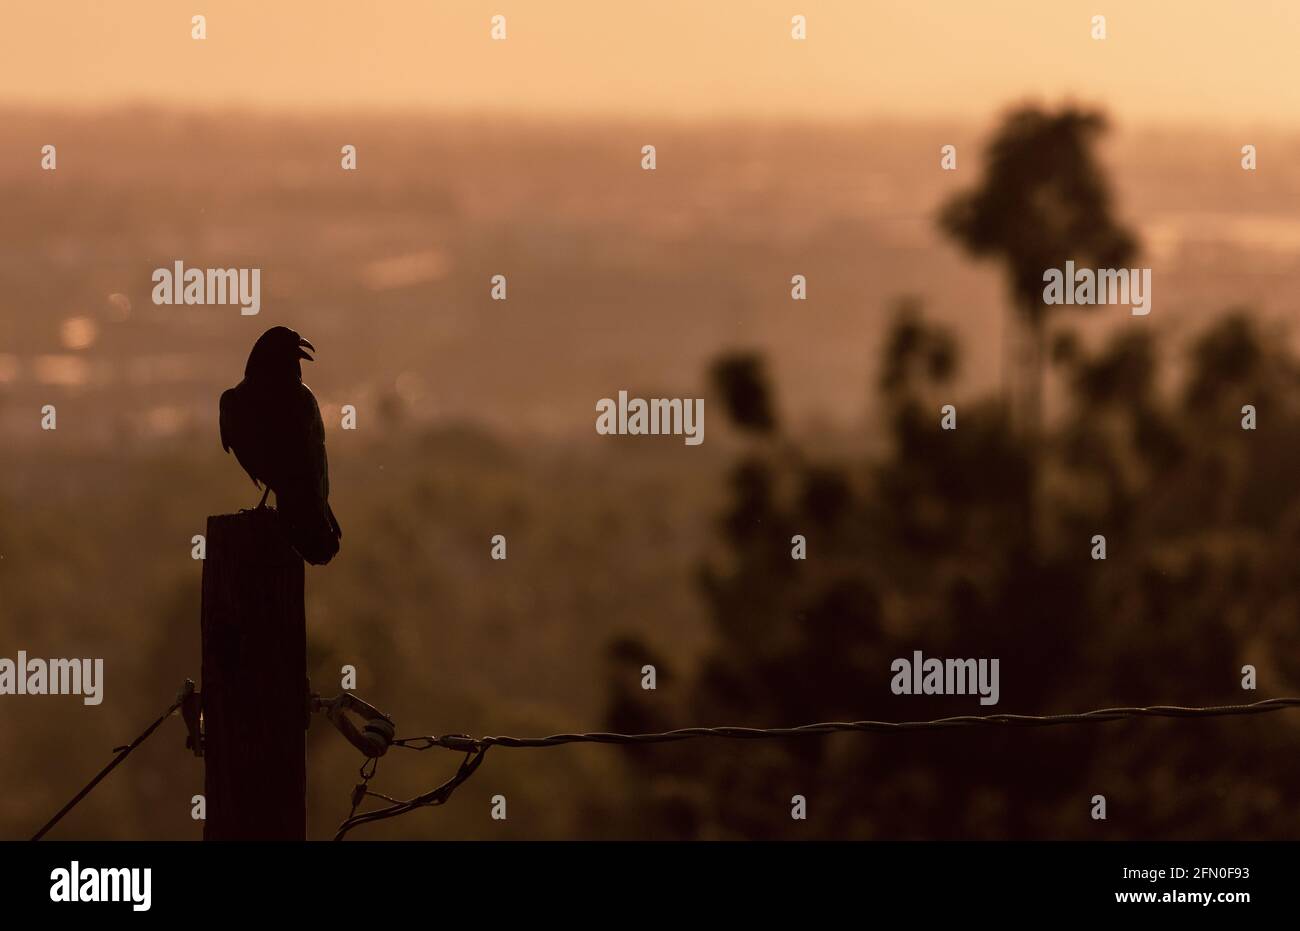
x: 272, y: 422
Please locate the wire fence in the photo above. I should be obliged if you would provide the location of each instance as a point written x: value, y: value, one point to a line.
x: 476, y: 748
x: 463, y: 742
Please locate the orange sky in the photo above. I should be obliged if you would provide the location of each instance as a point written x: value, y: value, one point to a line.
x: 1170, y: 61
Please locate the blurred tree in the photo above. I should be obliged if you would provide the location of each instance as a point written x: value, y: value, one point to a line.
x: 739, y: 380
x: 930, y: 547
x: 1043, y: 199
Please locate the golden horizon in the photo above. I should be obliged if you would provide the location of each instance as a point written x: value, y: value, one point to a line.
x: 1192, y: 63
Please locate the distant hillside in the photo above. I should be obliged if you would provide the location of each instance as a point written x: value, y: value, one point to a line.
x: 617, y: 277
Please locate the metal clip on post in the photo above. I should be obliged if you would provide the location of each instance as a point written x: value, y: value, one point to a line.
x: 376, y: 733
x: 192, y: 712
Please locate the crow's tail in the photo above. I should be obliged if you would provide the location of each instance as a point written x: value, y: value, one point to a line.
x: 309, y: 524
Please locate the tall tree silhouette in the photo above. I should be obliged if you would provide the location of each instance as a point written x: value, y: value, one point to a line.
x: 922, y: 543
x: 1043, y: 199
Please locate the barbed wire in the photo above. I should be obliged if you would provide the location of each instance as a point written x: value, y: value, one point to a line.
x: 475, y: 748
x: 463, y: 742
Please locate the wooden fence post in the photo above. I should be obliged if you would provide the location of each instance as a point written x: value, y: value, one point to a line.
x: 254, y: 689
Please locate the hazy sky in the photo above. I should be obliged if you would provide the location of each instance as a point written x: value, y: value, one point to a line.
x: 1170, y: 61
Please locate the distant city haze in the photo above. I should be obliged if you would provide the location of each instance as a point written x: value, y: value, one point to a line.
x: 1191, y: 62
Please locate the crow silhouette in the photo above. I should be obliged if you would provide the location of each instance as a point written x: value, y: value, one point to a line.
x: 272, y: 422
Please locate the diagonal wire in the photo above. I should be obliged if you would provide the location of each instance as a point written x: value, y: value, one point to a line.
x: 122, y: 754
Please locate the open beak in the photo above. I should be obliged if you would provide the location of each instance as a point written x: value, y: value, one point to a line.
x: 303, y: 346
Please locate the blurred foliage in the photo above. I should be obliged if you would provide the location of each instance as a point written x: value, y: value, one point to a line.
x: 444, y: 638
x: 1043, y: 200
x: 941, y: 545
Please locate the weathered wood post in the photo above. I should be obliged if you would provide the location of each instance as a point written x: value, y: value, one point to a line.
x: 254, y: 689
